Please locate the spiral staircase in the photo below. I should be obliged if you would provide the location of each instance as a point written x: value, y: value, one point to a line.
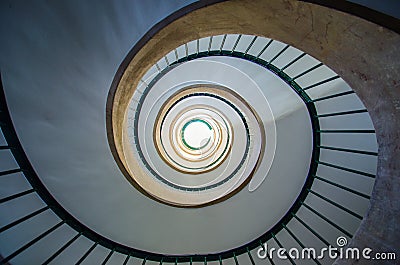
x: 101, y: 160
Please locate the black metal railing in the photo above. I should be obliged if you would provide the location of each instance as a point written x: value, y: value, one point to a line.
x: 25, y: 168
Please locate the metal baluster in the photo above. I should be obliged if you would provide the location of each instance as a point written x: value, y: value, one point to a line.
x: 58, y: 252
x: 30, y: 243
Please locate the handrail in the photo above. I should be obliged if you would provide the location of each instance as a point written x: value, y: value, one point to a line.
x: 14, y: 145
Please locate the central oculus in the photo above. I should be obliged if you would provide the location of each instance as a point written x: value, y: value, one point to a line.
x: 192, y: 137
x: 196, y: 134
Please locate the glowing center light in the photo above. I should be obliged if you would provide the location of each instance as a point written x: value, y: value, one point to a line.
x: 196, y: 134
